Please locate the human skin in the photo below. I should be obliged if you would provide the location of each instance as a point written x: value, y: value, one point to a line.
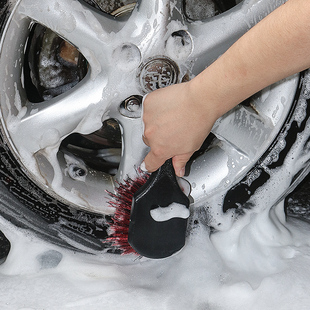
x: 178, y: 118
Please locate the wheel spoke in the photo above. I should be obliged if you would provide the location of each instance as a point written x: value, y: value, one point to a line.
x: 70, y: 19
x: 48, y: 125
x: 214, y: 170
x: 148, y: 24
x: 134, y: 149
x: 252, y: 127
x: 161, y: 9
x: 213, y: 37
x: 240, y: 128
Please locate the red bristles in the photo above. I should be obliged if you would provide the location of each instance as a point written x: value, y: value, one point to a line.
x: 122, y: 201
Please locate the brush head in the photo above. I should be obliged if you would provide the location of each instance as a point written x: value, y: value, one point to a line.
x: 159, y: 214
x: 121, y: 200
x: 151, y: 213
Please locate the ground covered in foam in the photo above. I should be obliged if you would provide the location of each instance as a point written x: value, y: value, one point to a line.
x: 261, y: 263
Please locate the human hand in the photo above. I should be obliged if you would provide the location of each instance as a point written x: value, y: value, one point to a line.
x: 176, y: 123
x: 178, y: 118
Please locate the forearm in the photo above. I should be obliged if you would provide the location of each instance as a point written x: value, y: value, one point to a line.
x: 275, y: 48
x: 179, y: 117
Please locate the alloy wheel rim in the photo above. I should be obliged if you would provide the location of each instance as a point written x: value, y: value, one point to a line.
x: 116, y: 50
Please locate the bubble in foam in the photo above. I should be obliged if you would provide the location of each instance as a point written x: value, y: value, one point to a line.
x: 49, y: 137
x: 301, y: 111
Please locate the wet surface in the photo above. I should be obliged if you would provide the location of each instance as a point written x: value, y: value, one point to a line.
x: 298, y: 202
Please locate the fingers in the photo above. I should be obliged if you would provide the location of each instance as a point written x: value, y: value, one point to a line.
x: 151, y: 162
x: 179, y: 162
x: 161, y: 130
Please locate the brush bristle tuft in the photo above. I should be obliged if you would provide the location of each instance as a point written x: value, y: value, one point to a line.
x: 122, y: 201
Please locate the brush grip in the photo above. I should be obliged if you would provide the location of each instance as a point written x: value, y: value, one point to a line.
x: 167, y: 170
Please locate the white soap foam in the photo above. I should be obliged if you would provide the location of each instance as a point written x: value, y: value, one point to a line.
x: 270, y: 275
x: 174, y: 210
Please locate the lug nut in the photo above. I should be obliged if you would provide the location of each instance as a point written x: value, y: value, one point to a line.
x: 132, y: 104
x: 131, y: 107
x: 76, y: 172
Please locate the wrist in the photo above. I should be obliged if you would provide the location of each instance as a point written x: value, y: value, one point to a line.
x: 206, y: 97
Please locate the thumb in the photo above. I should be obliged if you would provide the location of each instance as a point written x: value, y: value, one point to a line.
x: 179, y: 162
x: 151, y: 162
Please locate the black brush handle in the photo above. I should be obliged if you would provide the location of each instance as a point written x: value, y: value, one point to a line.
x: 151, y: 237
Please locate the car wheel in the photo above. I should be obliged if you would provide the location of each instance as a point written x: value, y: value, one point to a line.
x: 73, y: 74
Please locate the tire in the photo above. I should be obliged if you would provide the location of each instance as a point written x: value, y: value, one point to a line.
x: 226, y: 174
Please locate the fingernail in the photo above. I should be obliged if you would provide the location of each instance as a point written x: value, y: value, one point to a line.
x: 182, y: 172
x: 142, y: 167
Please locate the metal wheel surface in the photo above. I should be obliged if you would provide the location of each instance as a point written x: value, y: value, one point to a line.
x: 73, y: 74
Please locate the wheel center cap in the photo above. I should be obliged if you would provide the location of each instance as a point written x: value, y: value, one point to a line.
x: 157, y: 73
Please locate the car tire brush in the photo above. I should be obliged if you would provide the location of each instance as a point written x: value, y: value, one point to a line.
x: 152, y: 213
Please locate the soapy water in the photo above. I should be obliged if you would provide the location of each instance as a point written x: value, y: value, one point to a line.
x: 261, y: 263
